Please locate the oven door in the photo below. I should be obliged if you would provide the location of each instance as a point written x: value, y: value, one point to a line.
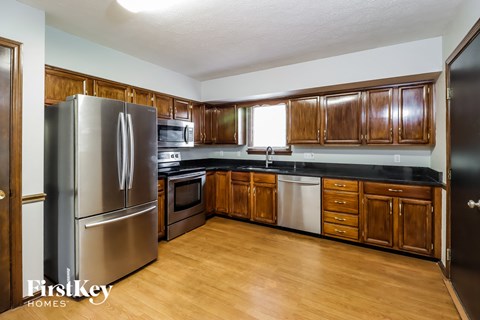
x: 185, y: 196
x: 174, y: 133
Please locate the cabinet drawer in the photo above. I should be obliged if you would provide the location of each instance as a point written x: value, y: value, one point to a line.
x: 240, y: 176
x: 264, y: 177
x: 398, y: 190
x: 340, y: 218
x: 341, y: 185
x: 161, y: 185
x: 336, y: 230
x: 340, y: 201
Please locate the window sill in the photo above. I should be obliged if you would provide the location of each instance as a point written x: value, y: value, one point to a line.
x: 279, y: 151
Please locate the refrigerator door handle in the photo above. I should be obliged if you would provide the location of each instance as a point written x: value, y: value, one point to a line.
x: 122, y: 143
x: 96, y: 224
x: 132, y: 151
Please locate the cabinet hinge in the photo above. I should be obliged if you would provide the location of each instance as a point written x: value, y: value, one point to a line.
x: 432, y: 209
x: 432, y: 246
x: 428, y: 136
x: 449, y: 254
x: 428, y: 89
x: 449, y: 174
x: 449, y: 93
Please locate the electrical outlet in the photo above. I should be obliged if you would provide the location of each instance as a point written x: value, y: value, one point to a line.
x: 307, y: 155
x: 396, y: 158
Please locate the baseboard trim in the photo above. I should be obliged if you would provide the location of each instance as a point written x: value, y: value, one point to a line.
x: 456, y: 301
x: 443, y: 269
x: 35, y: 296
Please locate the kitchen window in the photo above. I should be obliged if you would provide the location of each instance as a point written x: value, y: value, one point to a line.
x: 267, y: 126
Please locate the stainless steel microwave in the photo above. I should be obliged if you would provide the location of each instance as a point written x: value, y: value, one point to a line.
x: 174, y: 133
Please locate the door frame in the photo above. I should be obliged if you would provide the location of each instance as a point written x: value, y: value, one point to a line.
x: 16, y: 284
x: 474, y: 31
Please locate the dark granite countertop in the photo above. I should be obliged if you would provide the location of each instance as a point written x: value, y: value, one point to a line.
x: 378, y: 173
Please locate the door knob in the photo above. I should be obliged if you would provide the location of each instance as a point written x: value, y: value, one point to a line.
x: 2, y: 194
x: 472, y: 204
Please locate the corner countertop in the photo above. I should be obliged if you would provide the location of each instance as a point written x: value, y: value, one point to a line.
x: 377, y: 173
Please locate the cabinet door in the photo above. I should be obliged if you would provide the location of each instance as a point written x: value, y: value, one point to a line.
x: 59, y: 85
x: 198, y: 118
x: 415, y: 226
x: 378, y: 116
x: 227, y: 125
x: 142, y: 97
x: 378, y: 220
x: 210, y: 191
x: 264, y: 203
x: 181, y: 110
x: 210, y: 125
x: 240, y: 199
x: 413, y: 115
x: 222, y: 184
x: 164, y: 106
x: 342, y: 119
x: 303, y: 121
x: 161, y: 209
x: 111, y: 90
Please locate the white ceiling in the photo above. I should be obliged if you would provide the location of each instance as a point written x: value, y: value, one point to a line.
x: 207, y: 39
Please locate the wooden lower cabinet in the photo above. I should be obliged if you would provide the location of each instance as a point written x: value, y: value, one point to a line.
x: 378, y: 217
x: 210, y: 193
x: 264, y: 203
x: 161, y: 208
x: 222, y: 184
x: 240, y: 195
x: 415, y: 225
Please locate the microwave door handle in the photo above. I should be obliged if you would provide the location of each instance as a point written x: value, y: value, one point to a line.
x: 132, y: 151
x: 185, y: 134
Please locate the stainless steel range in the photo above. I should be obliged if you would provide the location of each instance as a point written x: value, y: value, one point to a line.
x: 185, y: 202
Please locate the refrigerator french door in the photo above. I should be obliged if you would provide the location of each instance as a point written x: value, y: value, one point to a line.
x: 101, y: 180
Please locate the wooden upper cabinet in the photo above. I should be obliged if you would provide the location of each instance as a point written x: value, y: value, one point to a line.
x: 181, y: 110
x: 164, y: 106
x: 415, y: 226
x: 303, y: 121
x: 264, y: 202
x: 210, y: 126
x: 59, y: 85
x: 378, y: 220
x: 142, y: 97
x: 413, y: 114
x: 227, y: 125
x: 198, y: 118
x: 111, y: 90
x: 342, y: 118
x: 378, y: 116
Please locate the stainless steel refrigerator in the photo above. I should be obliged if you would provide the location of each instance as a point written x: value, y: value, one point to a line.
x: 100, y: 216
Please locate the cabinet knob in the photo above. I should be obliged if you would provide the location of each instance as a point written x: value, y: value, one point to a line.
x: 472, y: 204
x: 2, y: 195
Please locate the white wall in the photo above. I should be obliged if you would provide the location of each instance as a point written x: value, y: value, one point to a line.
x: 468, y: 13
x: 411, y: 58
x: 27, y: 25
x: 73, y: 53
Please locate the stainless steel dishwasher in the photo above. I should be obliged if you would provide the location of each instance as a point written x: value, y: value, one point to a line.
x: 299, y: 203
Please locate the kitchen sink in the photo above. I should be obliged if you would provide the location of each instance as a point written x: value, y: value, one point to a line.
x: 253, y: 168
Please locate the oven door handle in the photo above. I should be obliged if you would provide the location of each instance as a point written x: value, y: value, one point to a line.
x: 187, y: 176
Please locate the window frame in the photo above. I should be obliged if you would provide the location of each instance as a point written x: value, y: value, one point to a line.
x: 287, y: 150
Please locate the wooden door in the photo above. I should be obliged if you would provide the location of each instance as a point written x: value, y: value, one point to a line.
x: 161, y: 208
x: 378, y: 220
x: 413, y: 115
x: 378, y: 116
x: 59, y: 85
x: 5, y: 116
x: 181, y: 110
x: 164, y: 106
x: 210, y: 125
x: 342, y: 118
x: 111, y: 90
x: 240, y: 199
x: 142, y: 97
x: 303, y: 121
x: 210, y: 191
x: 198, y: 118
x: 227, y: 125
x: 264, y: 203
x: 415, y: 226
x: 222, y: 183
x: 463, y: 78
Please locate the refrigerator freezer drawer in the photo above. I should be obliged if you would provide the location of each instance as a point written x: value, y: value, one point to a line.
x: 113, y: 245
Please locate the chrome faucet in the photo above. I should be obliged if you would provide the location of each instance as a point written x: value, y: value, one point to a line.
x: 268, y: 161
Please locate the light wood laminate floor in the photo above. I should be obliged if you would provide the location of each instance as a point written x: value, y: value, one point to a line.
x: 234, y: 270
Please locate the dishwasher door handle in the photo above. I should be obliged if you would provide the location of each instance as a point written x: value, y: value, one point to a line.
x: 300, y: 182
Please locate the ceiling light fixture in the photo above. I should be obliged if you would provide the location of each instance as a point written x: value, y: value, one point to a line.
x: 137, y: 6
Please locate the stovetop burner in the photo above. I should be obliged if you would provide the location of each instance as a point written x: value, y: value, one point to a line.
x: 169, y: 164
